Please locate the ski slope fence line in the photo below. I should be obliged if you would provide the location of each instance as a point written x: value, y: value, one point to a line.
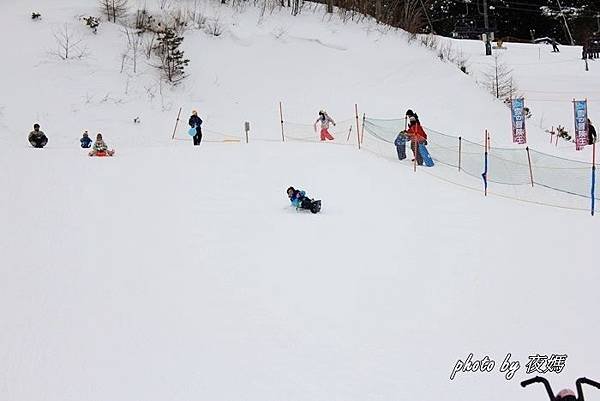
x: 518, y: 173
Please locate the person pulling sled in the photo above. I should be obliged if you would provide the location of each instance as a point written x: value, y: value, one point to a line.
x: 563, y: 395
x: 418, y: 139
x: 299, y: 200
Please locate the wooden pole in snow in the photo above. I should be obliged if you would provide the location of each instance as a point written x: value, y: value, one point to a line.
x: 176, y: 122
x: 281, y: 120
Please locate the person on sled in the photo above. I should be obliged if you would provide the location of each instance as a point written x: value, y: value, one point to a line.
x: 37, y: 138
x: 86, y: 141
x: 324, y: 120
x: 299, y: 200
x: 100, y: 147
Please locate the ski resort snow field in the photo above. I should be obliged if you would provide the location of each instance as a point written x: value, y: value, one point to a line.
x: 173, y: 272
x: 127, y: 279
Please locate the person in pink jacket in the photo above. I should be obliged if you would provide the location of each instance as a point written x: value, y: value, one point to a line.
x: 324, y: 120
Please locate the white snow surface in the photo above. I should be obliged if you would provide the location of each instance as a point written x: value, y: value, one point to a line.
x: 176, y: 273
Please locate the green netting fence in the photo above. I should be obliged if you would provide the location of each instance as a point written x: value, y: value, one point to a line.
x: 519, y: 173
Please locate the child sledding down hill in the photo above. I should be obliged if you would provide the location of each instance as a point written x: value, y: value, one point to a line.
x: 301, y: 201
x: 100, y: 148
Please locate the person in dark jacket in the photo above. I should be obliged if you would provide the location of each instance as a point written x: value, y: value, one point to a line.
x: 196, y: 122
x: 37, y: 138
x: 592, y: 137
x: 85, y: 140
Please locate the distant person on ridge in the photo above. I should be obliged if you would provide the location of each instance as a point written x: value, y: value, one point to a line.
x: 554, y: 46
x: 592, y: 136
x: 324, y: 120
x: 100, y: 147
x: 85, y: 140
x: 37, y: 138
x: 196, y: 123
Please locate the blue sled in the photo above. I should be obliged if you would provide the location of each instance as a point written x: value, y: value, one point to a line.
x: 427, y: 160
x: 192, y: 131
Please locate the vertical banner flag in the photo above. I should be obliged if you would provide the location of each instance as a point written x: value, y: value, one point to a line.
x: 518, y: 120
x: 581, y: 137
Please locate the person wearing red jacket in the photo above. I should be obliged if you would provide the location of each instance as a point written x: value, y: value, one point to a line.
x: 417, y: 135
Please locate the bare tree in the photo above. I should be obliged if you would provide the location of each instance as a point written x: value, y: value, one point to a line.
x: 134, y: 46
x: 499, y: 81
x: 69, y: 45
x: 148, y: 43
x: 114, y: 9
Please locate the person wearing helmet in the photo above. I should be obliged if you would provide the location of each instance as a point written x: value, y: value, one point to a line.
x: 299, y: 200
x: 324, y: 120
x: 196, y: 122
x: 100, y: 147
x: 37, y: 138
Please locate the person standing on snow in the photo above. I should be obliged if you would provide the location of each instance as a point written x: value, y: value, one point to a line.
x: 417, y: 136
x: 592, y: 136
x: 37, y: 138
x: 324, y: 120
x: 196, y: 122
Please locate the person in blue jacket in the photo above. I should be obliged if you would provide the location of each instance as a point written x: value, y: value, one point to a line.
x: 400, y: 143
x: 86, y: 141
x: 196, y: 122
x: 299, y: 200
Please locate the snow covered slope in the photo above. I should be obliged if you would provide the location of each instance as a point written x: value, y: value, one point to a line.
x: 175, y: 273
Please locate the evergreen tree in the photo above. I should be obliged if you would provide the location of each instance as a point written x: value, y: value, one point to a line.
x: 172, y: 61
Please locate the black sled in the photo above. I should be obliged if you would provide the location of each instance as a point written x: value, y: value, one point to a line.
x: 313, y: 205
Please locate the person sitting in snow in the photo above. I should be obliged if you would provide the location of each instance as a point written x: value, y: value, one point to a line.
x: 196, y: 122
x: 100, y: 147
x: 417, y: 136
x: 324, y: 120
x: 85, y: 140
x: 299, y: 200
x: 37, y: 138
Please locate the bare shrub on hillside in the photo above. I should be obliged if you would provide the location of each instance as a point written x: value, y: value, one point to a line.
x: 135, y: 44
x: 196, y: 19
x: 214, y: 27
x: 69, y: 45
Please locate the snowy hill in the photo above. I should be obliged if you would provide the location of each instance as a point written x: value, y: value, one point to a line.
x: 173, y: 273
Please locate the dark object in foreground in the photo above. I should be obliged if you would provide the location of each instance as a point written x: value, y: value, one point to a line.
x: 565, y: 394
